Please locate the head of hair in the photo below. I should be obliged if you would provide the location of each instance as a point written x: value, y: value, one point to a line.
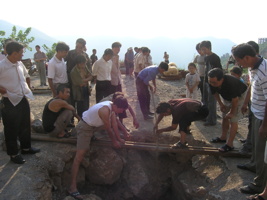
x: 198, y: 46
x: 117, y: 94
x: 108, y: 52
x: 205, y: 43
x: 13, y: 46
x: 61, y: 88
x: 242, y: 50
x: 121, y: 102
x: 192, y: 64
x: 62, y: 46
x: 237, y: 70
x: 37, y: 46
x: 216, y: 72
x: 255, y: 46
x: 4, y: 43
x: 115, y: 44
x: 164, y: 65
x: 80, y: 59
x: 94, y: 50
x: 145, y: 49
x: 136, y: 48
x: 162, y: 107
x: 81, y: 41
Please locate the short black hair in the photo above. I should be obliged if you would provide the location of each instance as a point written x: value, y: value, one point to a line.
x: 203, y: 112
x: 80, y: 59
x: 121, y: 102
x: 198, y: 46
x: 115, y: 44
x: 192, y: 64
x: 61, y: 87
x: 108, y: 52
x: 81, y: 41
x: 242, y: 50
x: 237, y: 70
x: 145, y: 49
x: 162, y: 107
x: 62, y: 46
x: 37, y: 46
x: 117, y: 94
x: 13, y: 46
x: 164, y: 65
x: 255, y: 46
x: 205, y: 43
x: 216, y: 72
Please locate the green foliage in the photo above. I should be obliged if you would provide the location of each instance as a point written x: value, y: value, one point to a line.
x: 19, y: 36
x: 50, y: 52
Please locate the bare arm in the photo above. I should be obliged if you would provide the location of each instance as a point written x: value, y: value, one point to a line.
x: 2, y: 90
x: 135, y: 122
x: 28, y: 81
x: 50, y: 82
x: 247, y: 98
x: 231, y: 113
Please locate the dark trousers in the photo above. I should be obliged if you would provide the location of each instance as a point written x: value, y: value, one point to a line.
x: 83, y: 105
x: 143, y: 96
x: 115, y: 88
x: 102, y: 90
x: 201, y: 87
x: 17, y: 124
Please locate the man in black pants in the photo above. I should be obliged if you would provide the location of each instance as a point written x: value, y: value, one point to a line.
x: 102, y: 75
x: 15, y: 89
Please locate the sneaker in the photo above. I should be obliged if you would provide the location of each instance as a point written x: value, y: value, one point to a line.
x: 148, y: 117
x: 32, y: 150
x: 17, y: 159
x: 151, y: 113
x: 179, y: 145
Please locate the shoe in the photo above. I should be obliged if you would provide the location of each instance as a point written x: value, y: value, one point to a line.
x: 209, y: 124
x: 179, y: 145
x: 151, y: 113
x: 32, y: 150
x: 255, y: 197
x: 148, y: 117
x: 245, y: 167
x: 247, y: 190
x: 75, y: 195
x: 217, y: 140
x: 17, y: 159
x: 45, y: 85
x: 225, y: 148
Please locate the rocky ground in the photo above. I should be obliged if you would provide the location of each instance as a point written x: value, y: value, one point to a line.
x: 199, y: 177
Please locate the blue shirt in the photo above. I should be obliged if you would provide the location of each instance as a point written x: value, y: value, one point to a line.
x: 148, y: 74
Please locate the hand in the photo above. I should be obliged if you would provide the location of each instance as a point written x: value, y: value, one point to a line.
x: 116, y: 144
x: 223, y: 108
x: 159, y: 131
x: 244, y: 109
x: 150, y: 88
x: 135, y: 123
x: 127, y: 136
x: 229, y: 115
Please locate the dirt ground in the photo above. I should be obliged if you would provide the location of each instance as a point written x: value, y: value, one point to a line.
x: 221, y: 173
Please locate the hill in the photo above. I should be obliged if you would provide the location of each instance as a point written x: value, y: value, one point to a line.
x: 181, y: 50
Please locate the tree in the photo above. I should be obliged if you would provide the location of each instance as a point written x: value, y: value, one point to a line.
x: 20, y: 36
x: 50, y: 52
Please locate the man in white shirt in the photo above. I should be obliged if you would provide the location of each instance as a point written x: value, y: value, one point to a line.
x: 141, y: 60
x: 15, y: 89
x: 57, y: 69
x: 102, y: 75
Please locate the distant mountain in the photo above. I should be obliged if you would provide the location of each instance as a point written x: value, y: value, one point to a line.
x: 181, y: 51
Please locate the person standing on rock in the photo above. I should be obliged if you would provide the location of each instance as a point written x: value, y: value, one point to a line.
x: 58, y: 112
x: 245, y: 56
x: 183, y: 111
x: 142, y: 85
x: 15, y: 89
x: 40, y: 58
x: 101, y: 115
x: 230, y: 93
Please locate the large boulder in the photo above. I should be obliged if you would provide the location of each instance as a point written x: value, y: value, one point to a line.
x: 105, y: 166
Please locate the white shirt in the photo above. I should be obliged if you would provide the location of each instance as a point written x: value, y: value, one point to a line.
x: 13, y: 79
x: 91, y: 116
x: 140, y: 60
x: 2, y: 56
x: 102, y: 69
x: 57, y: 70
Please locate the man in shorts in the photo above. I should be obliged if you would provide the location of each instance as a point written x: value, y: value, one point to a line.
x: 100, y: 115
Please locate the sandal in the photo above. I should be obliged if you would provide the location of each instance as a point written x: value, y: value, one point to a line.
x: 179, y: 145
x: 255, y: 197
x: 217, y: 140
x: 76, y: 195
x: 226, y: 148
x: 66, y: 135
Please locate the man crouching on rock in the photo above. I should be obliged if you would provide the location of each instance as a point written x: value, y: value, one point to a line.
x: 183, y: 111
x: 103, y: 115
x: 57, y: 113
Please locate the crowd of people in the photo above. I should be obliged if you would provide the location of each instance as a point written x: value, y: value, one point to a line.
x: 70, y: 74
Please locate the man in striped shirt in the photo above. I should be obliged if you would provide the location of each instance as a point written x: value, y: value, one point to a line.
x: 246, y: 57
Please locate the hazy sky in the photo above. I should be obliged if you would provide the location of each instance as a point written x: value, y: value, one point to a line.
x: 237, y: 20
